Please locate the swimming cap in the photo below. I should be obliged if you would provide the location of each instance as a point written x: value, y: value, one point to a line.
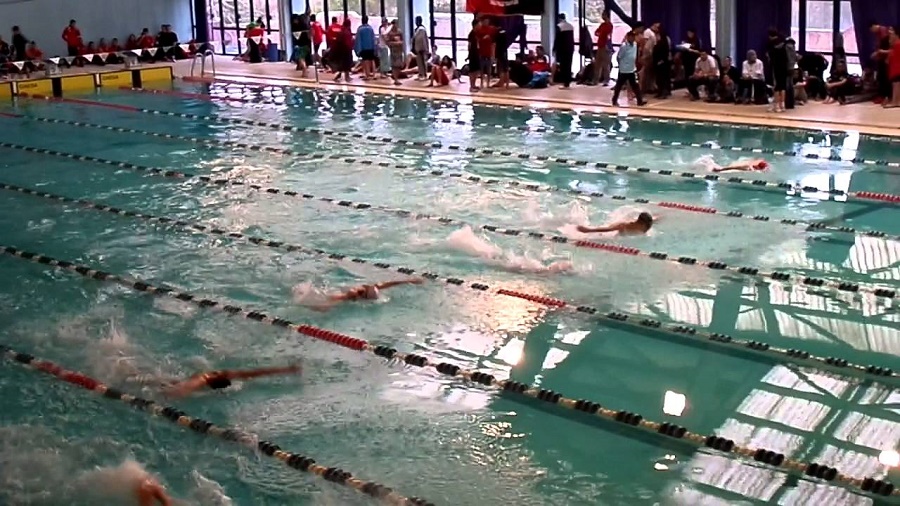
x: 217, y: 381
x: 371, y: 292
x: 761, y: 165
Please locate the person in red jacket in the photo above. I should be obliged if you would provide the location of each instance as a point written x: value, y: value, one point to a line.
x: 72, y: 35
x: 318, y: 34
x: 334, y: 32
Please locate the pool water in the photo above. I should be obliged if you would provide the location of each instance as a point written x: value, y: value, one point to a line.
x: 420, y: 433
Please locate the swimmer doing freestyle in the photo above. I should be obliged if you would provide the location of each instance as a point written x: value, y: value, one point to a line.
x: 640, y: 226
x: 757, y: 165
x: 217, y: 380
x: 363, y: 292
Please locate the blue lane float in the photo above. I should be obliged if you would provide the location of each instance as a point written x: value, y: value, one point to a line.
x: 869, y: 485
x: 719, y: 342
x: 296, y: 461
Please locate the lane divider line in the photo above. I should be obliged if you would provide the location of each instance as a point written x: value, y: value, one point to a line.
x: 568, y: 111
x: 783, y: 188
x: 781, y: 278
x: 200, y: 426
x: 808, y: 226
x: 721, y: 342
x: 869, y: 485
x: 570, y: 133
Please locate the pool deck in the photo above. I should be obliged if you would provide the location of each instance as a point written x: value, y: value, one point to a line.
x: 867, y: 118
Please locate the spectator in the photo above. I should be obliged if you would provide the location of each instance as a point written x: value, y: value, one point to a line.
x: 72, y: 35
x: 384, y: 49
x: 34, y: 57
x: 603, y: 60
x: 882, y: 36
x: 564, y: 50
x: 419, y: 45
x: 146, y: 41
x: 474, y: 57
x: 790, y: 49
x: 753, y: 80
x: 114, y: 48
x: 627, y: 58
x: 484, y: 33
x: 167, y: 42
x: 132, y: 43
x: 398, y: 59
x: 894, y: 71
x: 89, y: 53
x: 839, y: 84
x: 340, y: 53
x: 501, y: 55
x: 303, y: 46
x: 333, y: 34
x: 318, y: 34
x: 662, y: 64
x: 690, y: 51
x: 799, y: 79
x: 776, y: 50
x: 365, y: 48
x: 442, y: 72
x: 19, y: 43
x: 728, y: 82
x: 814, y: 65
x: 647, y: 79
x: 706, y: 74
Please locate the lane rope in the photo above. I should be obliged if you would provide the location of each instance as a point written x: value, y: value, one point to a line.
x: 869, y: 485
x: 721, y: 342
x: 833, y: 156
x: 296, y: 461
x: 778, y: 277
x: 578, y: 114
x: 783, y: 188
x: 808, y: 226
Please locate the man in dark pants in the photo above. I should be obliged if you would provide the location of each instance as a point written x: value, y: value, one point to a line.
x: 72, y: 36
x: 627, y: 57
x: 564, y: 50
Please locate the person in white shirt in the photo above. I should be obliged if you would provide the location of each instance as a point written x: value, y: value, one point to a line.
x: 706, y: 73
x: 647, y: 79
x: 753, y: 81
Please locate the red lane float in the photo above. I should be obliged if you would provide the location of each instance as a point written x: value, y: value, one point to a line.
x: 884, y: 197
x: 79, y: 101
x: 613, y: 248
x: 688, y: 207
x: 547, y: 301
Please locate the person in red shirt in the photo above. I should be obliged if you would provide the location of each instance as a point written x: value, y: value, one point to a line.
x: 35, y: 58
x: 485, y: 34
x: 604, y: 56
x: 318, y: 34
x: 113, y: 49
x: 894, y: 71
x: 132, y: 42
x: 333, y: 34
x: 539, y: 64
x: 72, y: 35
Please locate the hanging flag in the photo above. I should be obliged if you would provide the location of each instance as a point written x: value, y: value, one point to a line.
x: 256, y: 38
x: 54, y: 60
x: 506, y: 7
x: 185, y: 47
x: 137, y: 52
x: 296, y: 34
x: 69, y: 59
x: 19, y: 64
x: 152, y: 51
x: 102, y: 56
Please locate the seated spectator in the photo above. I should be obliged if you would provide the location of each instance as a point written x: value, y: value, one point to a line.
x: 839, y: 85
x: 814, y: 65
x: 89, y: 54
x: 132, y: 43
x: 167, y: 42
x: 753, y: 82
x: 113, y: 49
x: 801, y: 96
x: 728, y: 82
x: 35, y: 58
x: 540, y: 64
x: 144, y: 42
x: 679, y: 76
x: 520, y: 71
x: 706, y: 74
x: 440, y: 74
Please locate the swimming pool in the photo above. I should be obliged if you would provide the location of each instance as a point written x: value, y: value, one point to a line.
x: 394, y: 197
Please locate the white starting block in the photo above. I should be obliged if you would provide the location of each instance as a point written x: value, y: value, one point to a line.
x: 51, y: 69
x: 131, y: 61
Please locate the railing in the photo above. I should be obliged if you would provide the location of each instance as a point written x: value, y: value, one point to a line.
x: 202, y: 57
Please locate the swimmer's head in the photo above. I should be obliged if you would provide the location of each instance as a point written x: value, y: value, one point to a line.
x: 218, y: 381
x: 645, y: 219
x: 761, y: 165
x: 369, y: 292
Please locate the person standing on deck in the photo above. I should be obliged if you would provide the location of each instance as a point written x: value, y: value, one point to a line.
x: 564, y: 51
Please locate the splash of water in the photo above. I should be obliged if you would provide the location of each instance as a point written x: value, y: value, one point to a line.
x: 467, y: 241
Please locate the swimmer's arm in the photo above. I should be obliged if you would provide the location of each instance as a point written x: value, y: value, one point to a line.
x: 389, y: 284
x: 737, y: 166
x: 186, y: 387
x: 151, y: 493
x: 608, y: 228
x: 264, y: 371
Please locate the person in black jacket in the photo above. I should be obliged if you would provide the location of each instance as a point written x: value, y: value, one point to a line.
x: 19, y: 42
x: 814, y: 65
x: 729, y: 77
x: 564, y: 50
x: 777, y: 53
x: 662, y: 64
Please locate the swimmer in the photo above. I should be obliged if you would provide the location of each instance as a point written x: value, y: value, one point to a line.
x: 639, y: 226
x: 149, y: 492
x: 217, y: 380
x: 363, y: 292
x: 757, y: 165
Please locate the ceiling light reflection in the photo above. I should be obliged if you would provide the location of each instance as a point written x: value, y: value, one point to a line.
x: 889, y: 458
